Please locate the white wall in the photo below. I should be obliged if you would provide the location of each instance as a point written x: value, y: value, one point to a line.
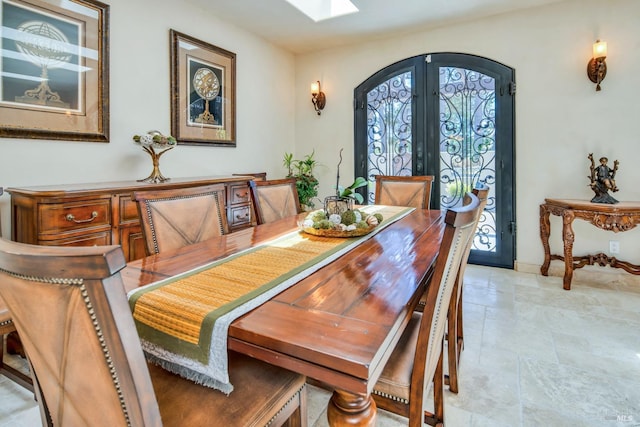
x: 559, y: 116
x: 139, y: 101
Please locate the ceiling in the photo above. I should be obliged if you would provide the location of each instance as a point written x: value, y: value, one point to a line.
x: 282, y: 24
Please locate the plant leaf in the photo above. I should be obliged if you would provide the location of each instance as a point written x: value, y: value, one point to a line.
x: 359, y: 182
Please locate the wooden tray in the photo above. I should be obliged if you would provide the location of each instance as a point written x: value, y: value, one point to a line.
x: 337, y: 233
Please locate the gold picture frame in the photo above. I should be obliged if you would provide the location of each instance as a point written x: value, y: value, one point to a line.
x: 54, y: 70
x: 203, y: 92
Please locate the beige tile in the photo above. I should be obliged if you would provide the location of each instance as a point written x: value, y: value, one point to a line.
x: 576, y: 393
x: 17, y: 406
x: 488, y: 296
x: 535, y: 416
x: 556, y: 298
x: 488, y: 388
x: 616, y: 367
x: 317, y: 399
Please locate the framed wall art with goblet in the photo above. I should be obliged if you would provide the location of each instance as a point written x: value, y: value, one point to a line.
x: 203, y: 92
x: 54, y: 69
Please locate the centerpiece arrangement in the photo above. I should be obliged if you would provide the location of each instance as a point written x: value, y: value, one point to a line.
x: 338, y: 218
x: 155, y: 144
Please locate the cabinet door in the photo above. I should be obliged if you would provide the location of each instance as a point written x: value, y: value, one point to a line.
x: 132, y: 243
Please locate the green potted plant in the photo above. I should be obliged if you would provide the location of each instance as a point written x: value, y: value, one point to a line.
x: 345, y: 196
x: 306, y: 182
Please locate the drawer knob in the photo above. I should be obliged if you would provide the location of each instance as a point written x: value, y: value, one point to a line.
x: 242, y: 195
x: 72, y: 218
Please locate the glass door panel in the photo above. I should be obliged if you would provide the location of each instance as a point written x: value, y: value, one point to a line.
x: 389, y: 130
x: 467, y: 143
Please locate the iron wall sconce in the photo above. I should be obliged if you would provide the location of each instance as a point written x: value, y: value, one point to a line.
x: 317, y: 97
x: 597, y: 67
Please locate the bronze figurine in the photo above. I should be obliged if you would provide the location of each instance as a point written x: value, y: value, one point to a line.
x: 602, y: 180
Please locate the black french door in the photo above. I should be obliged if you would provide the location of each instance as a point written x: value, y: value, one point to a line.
x: 452, y: 116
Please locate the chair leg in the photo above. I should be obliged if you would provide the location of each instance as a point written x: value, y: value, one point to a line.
x: 453, y: 331
x: 451, y: 378
x: 12, y: 373
x: 14, y: 344
x: 437, y: 418
x: 459, y: 327
x: 438, y: 389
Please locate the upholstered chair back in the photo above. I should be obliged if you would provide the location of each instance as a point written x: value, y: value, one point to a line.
x: 175, y: 218
x: 414, y: 191
x: 275, y: 199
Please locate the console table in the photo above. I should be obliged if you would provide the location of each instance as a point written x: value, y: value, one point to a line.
x: 618, y: 217
x: 105, y: 213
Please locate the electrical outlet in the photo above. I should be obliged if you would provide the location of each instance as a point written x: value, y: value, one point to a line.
x: 614, y: 247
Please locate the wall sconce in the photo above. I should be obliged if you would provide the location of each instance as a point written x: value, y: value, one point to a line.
x: 597, y: 67
x: 317, y: 97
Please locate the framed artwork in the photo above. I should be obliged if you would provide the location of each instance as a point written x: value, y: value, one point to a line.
x: 203, y: 92
x: 54, y: 69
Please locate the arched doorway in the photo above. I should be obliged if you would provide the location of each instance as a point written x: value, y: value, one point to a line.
x: 452, y: 116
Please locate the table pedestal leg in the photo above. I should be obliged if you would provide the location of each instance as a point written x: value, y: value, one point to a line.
x: 545, y: 230
x: 567, y: 239
x: 347, y: 409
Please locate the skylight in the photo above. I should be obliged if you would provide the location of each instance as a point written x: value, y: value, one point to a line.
x: 324, y: 9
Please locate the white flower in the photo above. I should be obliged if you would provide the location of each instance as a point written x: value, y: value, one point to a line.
x: 335, y: 218
x: 358, y: 216
x: 351, y: 227
x: 146, y: 139
x: 307, y: 223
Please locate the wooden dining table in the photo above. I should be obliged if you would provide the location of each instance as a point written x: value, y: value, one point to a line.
x: 340, y: 324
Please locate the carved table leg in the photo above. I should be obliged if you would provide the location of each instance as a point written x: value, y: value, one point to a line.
x: 545, y: 230
x: 567, y: 239
x: 347, y: 409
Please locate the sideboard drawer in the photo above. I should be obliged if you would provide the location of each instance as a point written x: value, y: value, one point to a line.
x: 62, y: 217
x: 238, y: 194
x: 94, y: 239
x: 240, y: 215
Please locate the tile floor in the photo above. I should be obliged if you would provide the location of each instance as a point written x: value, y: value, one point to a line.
x: 535, y: 355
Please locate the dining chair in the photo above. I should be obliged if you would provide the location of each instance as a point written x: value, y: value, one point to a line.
x: 417, y: 359
x: 455, y: 333
x: 414, y: 191
x: 7, y: 332
x: 71, y: 310
x: 171, y: 219
x: 274, y: 199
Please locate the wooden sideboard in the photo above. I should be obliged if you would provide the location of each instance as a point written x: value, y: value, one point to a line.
x: 105, y: 213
